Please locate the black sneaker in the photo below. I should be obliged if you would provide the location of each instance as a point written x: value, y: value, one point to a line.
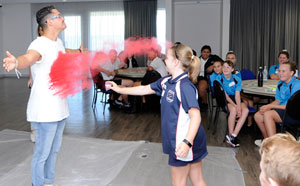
x: 233, y: 141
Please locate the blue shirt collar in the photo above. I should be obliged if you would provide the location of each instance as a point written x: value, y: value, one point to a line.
x: 227, y: 79
x: 292, y: 80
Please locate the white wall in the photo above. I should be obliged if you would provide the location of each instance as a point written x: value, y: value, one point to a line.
x: 17, y: 29
x: 194, y: 23
x: 198, y: 23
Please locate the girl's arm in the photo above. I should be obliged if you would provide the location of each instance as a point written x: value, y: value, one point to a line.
x: 182, y: 149
x: 139, y: 90
x: 275, y: 104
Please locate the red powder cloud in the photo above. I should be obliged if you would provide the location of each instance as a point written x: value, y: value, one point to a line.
x: 73, y: 72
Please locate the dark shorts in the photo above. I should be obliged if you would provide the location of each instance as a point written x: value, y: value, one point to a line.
x: 232, y: 97
x: 288, y: 119
x: 118, y: 81
x: 177, y: 163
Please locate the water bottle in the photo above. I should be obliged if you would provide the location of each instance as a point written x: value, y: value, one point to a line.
x: 260, y: 77
x: 296, y: 73
x: 265, y: 74
x: 130, y: 63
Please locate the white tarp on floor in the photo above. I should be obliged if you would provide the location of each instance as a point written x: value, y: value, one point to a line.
x: 97, y: 162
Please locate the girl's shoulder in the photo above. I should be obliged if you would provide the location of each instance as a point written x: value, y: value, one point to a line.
x: 236, y: 77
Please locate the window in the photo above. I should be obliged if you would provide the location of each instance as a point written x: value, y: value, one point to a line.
x: 161, y: 28
x: 107, y: 30
x: 72, y: 34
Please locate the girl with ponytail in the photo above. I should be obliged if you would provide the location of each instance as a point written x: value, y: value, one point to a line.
x: 183, y: 138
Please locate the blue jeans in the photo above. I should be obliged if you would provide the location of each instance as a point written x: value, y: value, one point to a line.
x: 48, y: 141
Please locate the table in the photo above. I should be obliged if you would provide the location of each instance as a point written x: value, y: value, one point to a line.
x: 268, y: 89
x: 133, y: 73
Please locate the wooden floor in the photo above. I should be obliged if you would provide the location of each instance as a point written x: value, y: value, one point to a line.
x: 117, y: 125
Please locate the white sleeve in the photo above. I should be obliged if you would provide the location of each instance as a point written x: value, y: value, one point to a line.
x: 37, y: 46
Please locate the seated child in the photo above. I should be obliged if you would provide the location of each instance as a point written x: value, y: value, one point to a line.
x: 232, y: 85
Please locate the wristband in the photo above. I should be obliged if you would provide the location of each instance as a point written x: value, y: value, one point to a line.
x: 187, y: 142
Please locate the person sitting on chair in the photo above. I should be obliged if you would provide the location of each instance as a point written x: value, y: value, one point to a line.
x: 217, y: 71
x: 131, y: 62
x: 280, y: 162
x: 283, y: 57
x: 108, y: 71
x: 232, y: 57
x: 232, y: 85
x: 207, y: 61
x: 273, y: 113
x: 156, y: 63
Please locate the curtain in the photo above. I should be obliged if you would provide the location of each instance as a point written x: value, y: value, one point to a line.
x: 260, y: 29
x: 98, y: 25
x: 140, y: 18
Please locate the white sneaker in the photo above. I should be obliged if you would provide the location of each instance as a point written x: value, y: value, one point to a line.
x: 258, y: 142
x: 50, y: 185
x: 32, y: 136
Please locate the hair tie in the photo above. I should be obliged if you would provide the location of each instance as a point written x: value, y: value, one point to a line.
x: 193, y: 57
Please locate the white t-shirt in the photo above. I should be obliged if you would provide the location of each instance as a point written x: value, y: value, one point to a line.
x: 202, y: 70
x: 109, y: 66
x: 43, y: 105
x: 159, y: 66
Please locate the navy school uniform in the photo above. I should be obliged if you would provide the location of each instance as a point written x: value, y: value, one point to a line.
x: 177, y: 97
x: 231, y: 85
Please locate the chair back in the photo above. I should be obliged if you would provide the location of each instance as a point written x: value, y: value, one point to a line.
x: 220, y: 95
x: 247, y: 74
x: 210, y: 88
x: 293, y: 106
x: 150, y: 77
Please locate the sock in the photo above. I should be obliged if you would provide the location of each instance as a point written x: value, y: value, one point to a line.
x: 233, y: 135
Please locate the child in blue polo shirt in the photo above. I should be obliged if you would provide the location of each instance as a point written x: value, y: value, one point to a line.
x: 283, y: 57
x: 217, y: 71
x: 183, y: 138
x: 230, y: 56
x: 232, y: 85
x: 273, y: 113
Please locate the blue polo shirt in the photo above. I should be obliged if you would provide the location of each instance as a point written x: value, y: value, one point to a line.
x: 285, y: 91
x: 231, y: 85
x: 238, y: 74
x: 212, y: 78
x: 178, y: 96
x: 274, y: 69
